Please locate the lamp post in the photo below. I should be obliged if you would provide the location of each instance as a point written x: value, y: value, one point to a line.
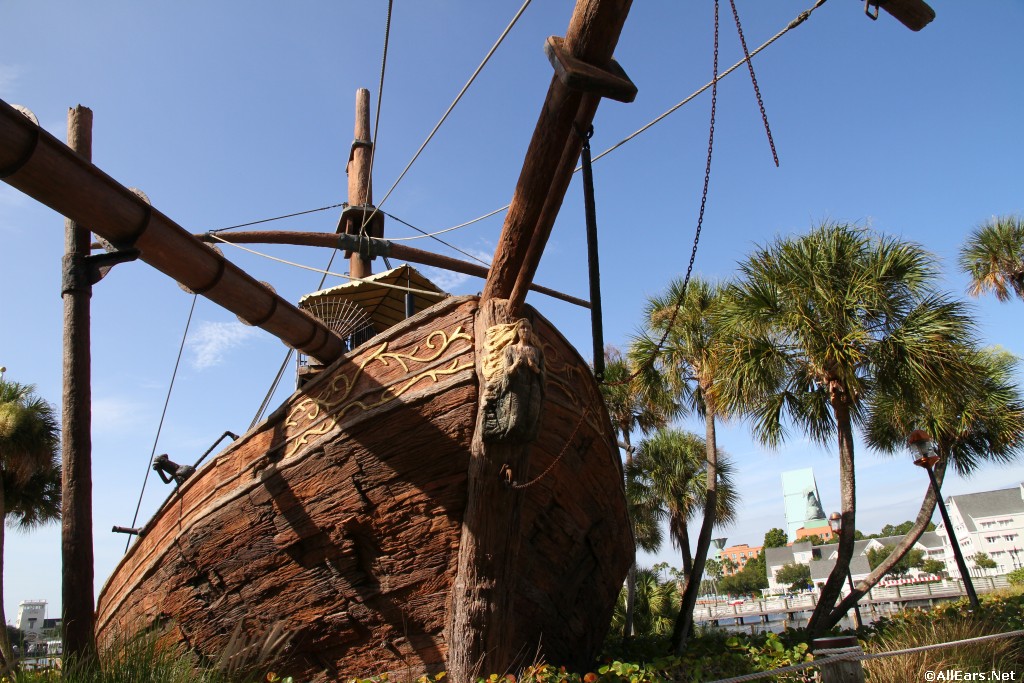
x: 921, y: 442
x: 835, y: 522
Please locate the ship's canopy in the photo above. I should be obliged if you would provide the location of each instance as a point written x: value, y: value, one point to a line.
x: 377, y: 301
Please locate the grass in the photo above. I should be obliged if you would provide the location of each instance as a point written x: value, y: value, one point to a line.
x: 999, y: 613
x: 710, y: 656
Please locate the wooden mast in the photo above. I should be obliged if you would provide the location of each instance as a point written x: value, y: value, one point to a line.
x: 360, y: 188
x: 36, y: 163
x: 481, y: 623
x: 77, y: 567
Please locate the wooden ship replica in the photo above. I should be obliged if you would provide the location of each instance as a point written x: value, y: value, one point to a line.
x: 416, y: 505
x: 443, y: 492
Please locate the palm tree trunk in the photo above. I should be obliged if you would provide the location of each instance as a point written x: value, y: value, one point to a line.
x: 848, y: 493
x: 627, y: 628
x: 899, y: 550
x: 682, y: 536
x: 684, y: 621
x: 5, y: 642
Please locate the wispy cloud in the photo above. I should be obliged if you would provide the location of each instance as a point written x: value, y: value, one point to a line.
x: 10, y: 74
x: 449, y: 281
x: 116, y: 415
x: 211, y: 342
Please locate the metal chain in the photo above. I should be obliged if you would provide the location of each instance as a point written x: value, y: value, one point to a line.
x: 700, y: 221
x: 507, y: 472
x: 753, y: 79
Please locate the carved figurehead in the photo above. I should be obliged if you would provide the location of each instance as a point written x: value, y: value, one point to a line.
x: 513, y: 368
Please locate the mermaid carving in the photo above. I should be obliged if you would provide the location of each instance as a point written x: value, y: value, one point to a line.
x: 513, y: 368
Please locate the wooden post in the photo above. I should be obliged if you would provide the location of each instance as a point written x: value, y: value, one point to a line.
x: 845, y: 671
x: 76, y: 434
x: 360, y: 188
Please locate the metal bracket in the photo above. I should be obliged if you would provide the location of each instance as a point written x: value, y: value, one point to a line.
x: 98, y: 265
x: 576, y: 74
x: 867, y: 9
x: 366, y: 247
x: 353, y: 217
x: 358, y: 142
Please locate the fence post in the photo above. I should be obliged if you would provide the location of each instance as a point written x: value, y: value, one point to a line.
x: 846, y: 671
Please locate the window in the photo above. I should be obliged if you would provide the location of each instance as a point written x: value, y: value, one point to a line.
x: 992, y: 539
x: 1010, y: 537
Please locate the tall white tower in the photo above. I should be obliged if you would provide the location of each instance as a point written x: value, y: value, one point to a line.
x: 31, y: 614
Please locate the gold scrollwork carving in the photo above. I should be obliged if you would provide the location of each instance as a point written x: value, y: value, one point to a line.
x: 320, y: 414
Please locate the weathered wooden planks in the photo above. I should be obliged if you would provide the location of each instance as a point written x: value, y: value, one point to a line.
x: 352, y: 536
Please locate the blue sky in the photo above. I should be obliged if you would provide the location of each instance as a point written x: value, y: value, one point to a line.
x: 230, y: 112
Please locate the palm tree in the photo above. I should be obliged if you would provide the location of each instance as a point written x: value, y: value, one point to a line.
x: 822, y: 322
x: 29, y: 470
x: 993, y: 257
x: 672, y: 465
x: 981, y: 421
x: 691, y: 360
x: 657, y: 604
x: 635, y: 405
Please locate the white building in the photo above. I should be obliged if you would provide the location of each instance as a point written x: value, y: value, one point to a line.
x: 31, y: 616
x: 821, y: 559
x: 990, y: 522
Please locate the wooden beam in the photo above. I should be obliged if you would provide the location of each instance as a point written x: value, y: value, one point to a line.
x: 36, y: 163
x: 380, y: 247
x: 591, y: 38
x: 77, y: 566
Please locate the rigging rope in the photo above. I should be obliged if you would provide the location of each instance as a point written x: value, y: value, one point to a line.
x: 163, y: 414
x: 287, y: 357
x: 425, y: 292
x: 277, y: 218
x: 450, y: 246
x: 451, y: 107
x: 376, y: 121
x: 800, y: 18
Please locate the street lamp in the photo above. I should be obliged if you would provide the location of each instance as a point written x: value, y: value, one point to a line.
x: 835, y: 522
x: 922, y: 443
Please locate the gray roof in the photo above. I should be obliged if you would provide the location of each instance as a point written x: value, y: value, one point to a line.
x: 930, y: 539
x: 774, y: 557
x: 989, y: 504
x: 820, y: 569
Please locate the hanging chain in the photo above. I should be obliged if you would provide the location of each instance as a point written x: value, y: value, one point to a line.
x: 700, y: 221
x: 506, y: 471
x: 753, y: 79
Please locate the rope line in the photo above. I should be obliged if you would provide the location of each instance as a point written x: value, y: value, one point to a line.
x: 163, y: 415
x: 454, y: 227
x: 376, y: 121
x: 450, y: 246
x: 801, y: 18
x: 458, y: 97
x: 277, y: 218
x: 424, y: 292
x: 857, y: 655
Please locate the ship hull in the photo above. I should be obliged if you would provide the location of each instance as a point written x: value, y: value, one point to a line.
x: 335, y: 525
